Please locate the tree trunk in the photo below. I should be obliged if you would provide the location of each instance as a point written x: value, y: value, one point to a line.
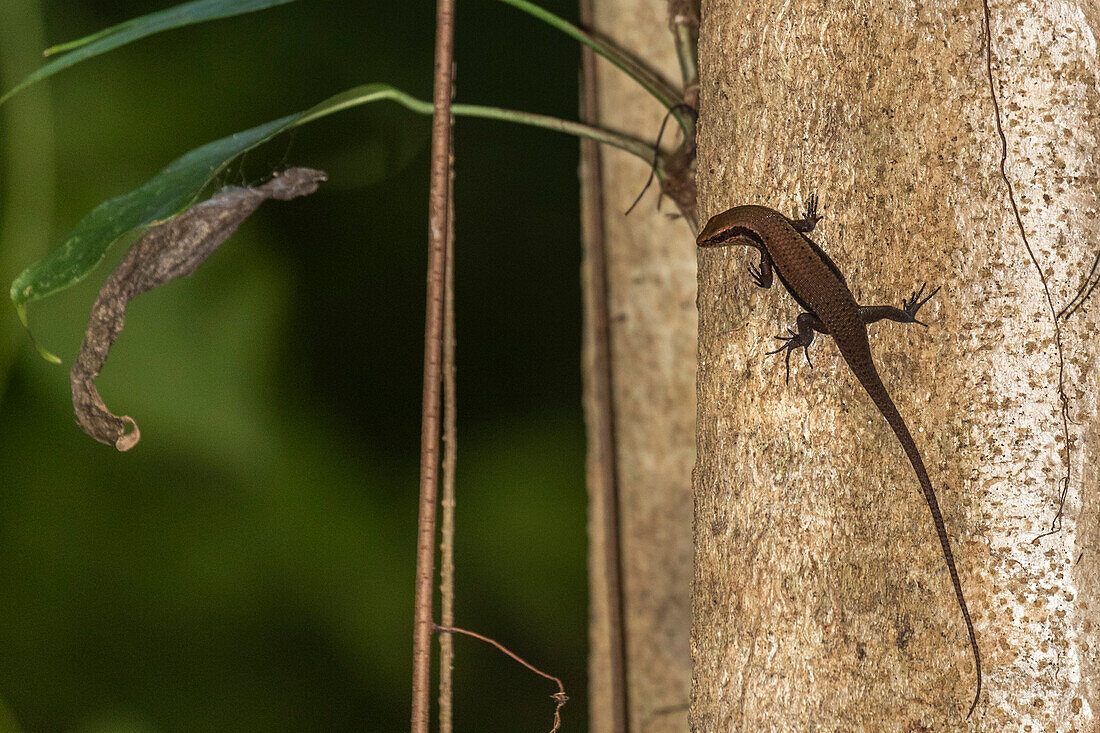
x: 649, y: 274
x: 821, y: 599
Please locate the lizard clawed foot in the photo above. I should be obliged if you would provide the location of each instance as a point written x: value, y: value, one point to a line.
x: 811, y: 209
x: 792, y: 342
x: 809, y: 219
x: 757, y: 277
x: 914, y: 303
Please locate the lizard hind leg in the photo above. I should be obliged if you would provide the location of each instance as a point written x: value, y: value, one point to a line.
x: 807, y: 323
x: 906, y: 314
x: 809, y: 219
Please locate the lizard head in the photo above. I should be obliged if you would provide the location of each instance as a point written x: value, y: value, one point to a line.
x: 719, y: 230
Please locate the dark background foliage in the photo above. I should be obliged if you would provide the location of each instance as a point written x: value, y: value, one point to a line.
x: 249, y: 565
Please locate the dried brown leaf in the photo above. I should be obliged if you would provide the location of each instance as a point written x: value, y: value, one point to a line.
x: 167, y: 251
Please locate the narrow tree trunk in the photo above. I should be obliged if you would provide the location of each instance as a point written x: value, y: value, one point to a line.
x: 821, y: 599
x: 650, y: 278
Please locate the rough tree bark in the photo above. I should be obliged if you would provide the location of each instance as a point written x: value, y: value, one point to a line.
x: 820, y: 599
x: 650, y: 276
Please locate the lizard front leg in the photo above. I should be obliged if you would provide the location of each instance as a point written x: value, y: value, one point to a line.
x: 906, y: 314
x: 762, y: 275
x: 808, y: 323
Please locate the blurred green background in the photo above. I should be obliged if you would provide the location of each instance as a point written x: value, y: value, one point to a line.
x: 249, y: 565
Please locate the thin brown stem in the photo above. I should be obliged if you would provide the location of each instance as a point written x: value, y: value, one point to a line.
x: 438, y: 210
x: 450, y: 457
x: 602, y: 474
x: 559, y: 697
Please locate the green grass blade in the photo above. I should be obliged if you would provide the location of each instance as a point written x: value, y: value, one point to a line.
x: 636, y: 69
x: 105, y: 40
x: 177, y: 186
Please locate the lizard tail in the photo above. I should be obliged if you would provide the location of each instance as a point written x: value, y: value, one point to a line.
x: 877, y: 391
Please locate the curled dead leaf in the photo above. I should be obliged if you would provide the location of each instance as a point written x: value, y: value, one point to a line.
x: 167, y: 251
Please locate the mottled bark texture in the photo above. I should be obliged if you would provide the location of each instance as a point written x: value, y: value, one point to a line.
x: 167, y: 251
x: 821, y: 600
x: 650, y: 275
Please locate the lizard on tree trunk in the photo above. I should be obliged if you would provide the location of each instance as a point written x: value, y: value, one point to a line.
x: 813, y: 280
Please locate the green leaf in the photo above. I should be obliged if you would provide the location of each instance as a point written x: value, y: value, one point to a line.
x: 177, y: 186
x: 131, y: 30
x: 633, y: 67
x: 161, y: 197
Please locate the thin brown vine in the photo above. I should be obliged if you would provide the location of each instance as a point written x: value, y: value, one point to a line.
x: 559, y: 697
x: 438, y: 214
x: 450, y: 459
x: 1088, y: 284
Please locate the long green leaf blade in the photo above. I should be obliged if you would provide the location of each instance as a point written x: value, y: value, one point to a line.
x: 161, y: 197
x: 177, y: 186
x: 105, y: 40
x: 635, y: 68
